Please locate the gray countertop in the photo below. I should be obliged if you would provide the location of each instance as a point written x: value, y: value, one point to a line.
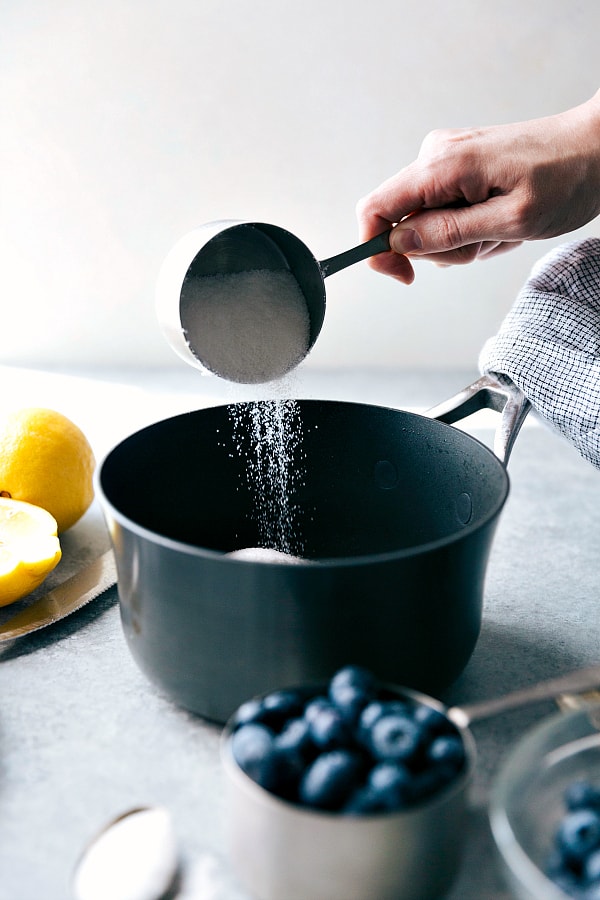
x: 84, y: 735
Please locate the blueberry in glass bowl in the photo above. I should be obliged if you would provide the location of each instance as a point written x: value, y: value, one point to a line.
x: 351, y: 789
x: 545, y: 809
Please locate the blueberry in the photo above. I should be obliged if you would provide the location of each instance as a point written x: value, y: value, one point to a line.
x: 350, y: 700
x: 362, y: 801
x: 399, y: 707
x: 390, y: 784
x: 356, y: 676
x: 351, y: 689
x: 582, y: 794
x: 331, y: 779
x: 257, y: 752
x: 578, y: 834
x: 328, y: 729
x: 394, y: 736
x: 557, y: 870
x: 251, y: 746
x: 283, y: 771
x: 250, y: 711
x: 314, y: 706
x: 589, y: 891
x: 591, y: 867
x: 429, y: 781
x: 295, y: 735
x: 369, y: 716
x: 432, y: 721
x: 271, y: 710
x: 283, y: 704
x: 374, y: 711
x: 447, y: 750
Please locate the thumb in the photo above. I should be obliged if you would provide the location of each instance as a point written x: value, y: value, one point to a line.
x: 440, y: 230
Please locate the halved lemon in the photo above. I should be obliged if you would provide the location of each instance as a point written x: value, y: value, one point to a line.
x: 29, y: 548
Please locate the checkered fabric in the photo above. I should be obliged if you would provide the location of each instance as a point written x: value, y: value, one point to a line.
x: 549, y: 343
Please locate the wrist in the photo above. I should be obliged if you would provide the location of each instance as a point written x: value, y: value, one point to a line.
x: 584, y: 125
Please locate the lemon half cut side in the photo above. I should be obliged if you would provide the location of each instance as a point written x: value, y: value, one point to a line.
x: 29, y: 548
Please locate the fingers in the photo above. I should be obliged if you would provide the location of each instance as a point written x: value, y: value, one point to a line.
x: 395, y: 199
x: 448, y: 207
x: 454, y: 235
x: 448, y: 170
x: 488, y: 248
x: 394, y: 265
x: 459, y: 257
x: 450, y: 229
x: 499, y: 248
x: 481, y: 250
x: 404, y: 239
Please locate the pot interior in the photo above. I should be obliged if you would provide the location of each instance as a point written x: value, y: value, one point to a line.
x: 357, y: 480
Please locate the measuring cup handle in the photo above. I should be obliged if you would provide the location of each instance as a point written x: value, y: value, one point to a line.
x: 572, y: 683
x: 379, y: 244
x: 488, y: 392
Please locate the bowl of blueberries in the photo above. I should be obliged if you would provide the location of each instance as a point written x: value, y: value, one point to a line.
x: 545, y: 809
x: 346, y: 790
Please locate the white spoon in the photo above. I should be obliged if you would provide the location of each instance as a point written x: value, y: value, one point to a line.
x: 134, y: 857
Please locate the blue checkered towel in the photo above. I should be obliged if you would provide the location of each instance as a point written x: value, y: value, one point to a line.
x: 549, y: 343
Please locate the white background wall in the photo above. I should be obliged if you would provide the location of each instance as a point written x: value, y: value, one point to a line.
x: 126, y: 123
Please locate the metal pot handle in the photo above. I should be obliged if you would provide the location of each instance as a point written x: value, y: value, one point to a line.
x: 488, y: 392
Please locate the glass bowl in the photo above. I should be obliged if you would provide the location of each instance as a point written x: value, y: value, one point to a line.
x: 527, y: 797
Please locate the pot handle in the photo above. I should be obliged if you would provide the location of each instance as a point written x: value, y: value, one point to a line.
x: 488, y: 392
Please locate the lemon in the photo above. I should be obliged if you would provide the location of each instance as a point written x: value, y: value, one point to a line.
x: 46, y: 460
x: 29, y: 548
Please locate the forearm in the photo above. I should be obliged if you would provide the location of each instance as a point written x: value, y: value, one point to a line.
x: 584, y: 124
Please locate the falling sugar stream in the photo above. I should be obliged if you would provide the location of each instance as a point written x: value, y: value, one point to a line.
x: 269, y: 433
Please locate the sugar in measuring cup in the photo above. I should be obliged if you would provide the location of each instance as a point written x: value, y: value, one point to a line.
x: 246, y: 300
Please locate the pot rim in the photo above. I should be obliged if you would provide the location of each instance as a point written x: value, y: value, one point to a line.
x: 388, y: 556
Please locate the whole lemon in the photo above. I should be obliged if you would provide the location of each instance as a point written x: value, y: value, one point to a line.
x: 45, y: 459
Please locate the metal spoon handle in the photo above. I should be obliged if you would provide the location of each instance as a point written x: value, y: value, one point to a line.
x: 581, y: 680
x: 379, y: 244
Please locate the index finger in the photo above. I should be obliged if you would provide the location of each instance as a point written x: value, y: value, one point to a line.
x: 388, y: 204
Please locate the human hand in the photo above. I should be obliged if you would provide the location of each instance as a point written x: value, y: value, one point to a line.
x: 476, y: 192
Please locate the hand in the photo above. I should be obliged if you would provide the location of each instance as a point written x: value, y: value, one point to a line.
x: 476, y: 192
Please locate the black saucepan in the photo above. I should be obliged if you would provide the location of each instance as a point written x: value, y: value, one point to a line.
x: 396, y: 513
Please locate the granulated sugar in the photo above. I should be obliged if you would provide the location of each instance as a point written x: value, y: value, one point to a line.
x: 264, y: 555
x: 248, y: 327
x: 268, y: 434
